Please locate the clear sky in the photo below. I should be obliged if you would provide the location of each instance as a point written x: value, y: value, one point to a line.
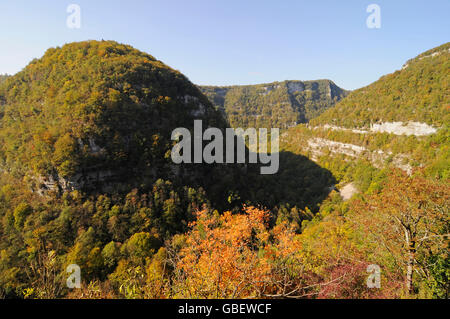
x: 225, y: 42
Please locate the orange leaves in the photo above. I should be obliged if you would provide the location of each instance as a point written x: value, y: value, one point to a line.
x: 233, y: 256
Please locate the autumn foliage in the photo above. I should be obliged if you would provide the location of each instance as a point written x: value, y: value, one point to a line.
x: 237, y: 256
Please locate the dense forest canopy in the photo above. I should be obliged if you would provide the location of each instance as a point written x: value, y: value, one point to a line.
x: 86, y: 178
x: 419, y: 92
x: 86, y: 170
x: 394, y: 211
x: 93, y: 107
x: 278, y: 104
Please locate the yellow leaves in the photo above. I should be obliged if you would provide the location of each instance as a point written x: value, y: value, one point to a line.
x: 28, y: 293
x: 94, y: 259
x: 327, y: 241
x: 156, y: 140
x: 163, y: 99
x: 46, y: 137
x: 64, y: 155
x: 102, y: 52
x: 114, y: 97
x: 156, y: 272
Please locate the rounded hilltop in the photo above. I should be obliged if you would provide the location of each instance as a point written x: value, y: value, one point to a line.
x: 94, y: 112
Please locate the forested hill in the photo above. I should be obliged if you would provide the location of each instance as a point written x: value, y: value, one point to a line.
x: 87, y: 178
x: 93, y: 113
x: 89, y: 127
x: 278, y: 104
x: 388, y: 143
x: 401, y: 120
x: 418, y: 92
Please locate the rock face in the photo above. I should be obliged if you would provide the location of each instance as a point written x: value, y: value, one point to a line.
x: 102, y: 181
x: 400, y: 128
x: 96, y: 115
x: 428, y: 55
x: 296, y: 86
x: 278, y: 104
x: 397, y: 128
x: 348, y: 191
x: 318, y: 146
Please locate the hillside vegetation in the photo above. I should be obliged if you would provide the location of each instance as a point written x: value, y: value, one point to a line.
x: 418, y: 93
x: 95, y: 108
x: 278, y: 104
x: 86, y: 175
x: 402, y: 179
x: 86, y: 178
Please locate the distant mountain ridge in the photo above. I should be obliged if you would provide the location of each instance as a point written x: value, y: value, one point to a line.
x: 278, y: 104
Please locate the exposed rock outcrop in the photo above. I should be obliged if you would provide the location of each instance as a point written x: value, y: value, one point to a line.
x: 318, y: 146
x: 397, y: 128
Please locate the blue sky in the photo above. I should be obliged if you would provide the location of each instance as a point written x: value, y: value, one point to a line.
x: 237, y: 42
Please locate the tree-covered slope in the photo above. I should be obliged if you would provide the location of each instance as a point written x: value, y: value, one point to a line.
x: 419, y: 92
x: 278, y: 104
x: 401, y: 120
x: 94, y: 112
x: 389, y: 141
x: 101, y: 113
x: 86, y: 175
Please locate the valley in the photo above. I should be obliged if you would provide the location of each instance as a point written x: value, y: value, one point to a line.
x: 87, y: 178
